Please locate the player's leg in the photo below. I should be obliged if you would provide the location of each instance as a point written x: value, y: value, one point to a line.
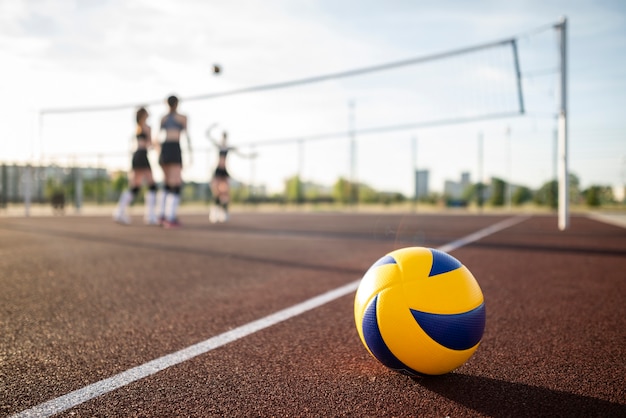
x: 173, y: 198
x: 214, y: 210
x: 120, y: 214
x: 224, y: 199
x: 150, y: 199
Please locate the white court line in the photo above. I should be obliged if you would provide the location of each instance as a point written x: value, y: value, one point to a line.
x: 72, y: 399
x: 483, y: 233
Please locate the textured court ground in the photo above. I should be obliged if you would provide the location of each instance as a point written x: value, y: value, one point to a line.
x: 84, y: 299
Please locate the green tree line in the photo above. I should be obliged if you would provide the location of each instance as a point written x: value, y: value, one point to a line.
x: 345, y: 192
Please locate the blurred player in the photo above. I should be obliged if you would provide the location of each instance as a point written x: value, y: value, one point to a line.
x: 173, y: 124
x: 220, y: 187
x: 220, y: 183
x: 141, y: 171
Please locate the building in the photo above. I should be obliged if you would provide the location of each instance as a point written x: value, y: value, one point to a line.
x: 455, y: 189
x: 421, y: 184
x: 17, y: 182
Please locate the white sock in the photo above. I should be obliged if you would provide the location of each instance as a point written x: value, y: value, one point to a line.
x: 162, y: 203
x: 173, y: 201
x: 150, y: 201
x: 125, y: 200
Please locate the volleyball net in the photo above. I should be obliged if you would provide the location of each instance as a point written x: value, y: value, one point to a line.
x: 373, y: 126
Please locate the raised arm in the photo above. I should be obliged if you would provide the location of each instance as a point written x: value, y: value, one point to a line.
x: 252, y: 154
x: 210, y: 137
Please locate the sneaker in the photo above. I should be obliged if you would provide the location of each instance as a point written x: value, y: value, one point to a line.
x: 161, y: 220
x: 213, y: 215
x: 152, y: 221
x: 171, y: 224
x: 121, y: 218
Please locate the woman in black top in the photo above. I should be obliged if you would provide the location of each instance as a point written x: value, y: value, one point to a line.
x: 171, y: 162
x: 220, y: 187
x: 141, y: 172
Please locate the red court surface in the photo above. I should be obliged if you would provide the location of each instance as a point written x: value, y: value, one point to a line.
x: 84, y: 300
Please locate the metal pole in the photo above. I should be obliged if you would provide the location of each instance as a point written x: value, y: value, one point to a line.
x: 555, y: 151
x: 353, y: 186
x: 99, y: 181
x: 562, y: 127
x: 300, y: 197
x: 78, y: 187
x: 415, y: 173
x: 480, y: 191
x: 40, y: 134
x: 27, y: 189
x: 252, y: 174
x: 4, y: 185
x: 623, y: 190
x: 508, y: 162
x: 518, y: 74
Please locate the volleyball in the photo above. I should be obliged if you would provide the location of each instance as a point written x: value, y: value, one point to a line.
x: 419, y: 311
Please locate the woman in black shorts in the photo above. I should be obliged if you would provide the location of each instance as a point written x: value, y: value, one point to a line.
x: 140, y: 172
x: 172, y: 163
x: 220, y: 187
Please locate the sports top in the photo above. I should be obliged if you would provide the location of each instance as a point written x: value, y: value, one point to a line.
x: 141, y: 135
x: 170, y: 122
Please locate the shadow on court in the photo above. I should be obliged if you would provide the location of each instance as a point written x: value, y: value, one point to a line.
x: 498, y: 398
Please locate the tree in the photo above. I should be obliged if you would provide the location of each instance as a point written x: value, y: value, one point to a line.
x: 598, y: 195
x: 497, y: 195
x: 341, y: 191
x: 547, y: 194
x: 368, y: 195
x: 53, y: 187
x: 574, y: 188
x: 521, y: 195
x: 293, y: 189
x: 470, y: 193
x: 119, y: 181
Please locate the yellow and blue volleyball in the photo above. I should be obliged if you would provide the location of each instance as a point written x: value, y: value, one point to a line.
x: 420, y: 311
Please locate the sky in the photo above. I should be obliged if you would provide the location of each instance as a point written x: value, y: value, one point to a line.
x: 69, y: 54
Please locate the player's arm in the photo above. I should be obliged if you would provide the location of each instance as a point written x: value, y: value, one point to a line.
x: 148, y: 137
x: 184, y: 122
x: 242, y: 154
x: 210, y: 137
x: 186, y: 130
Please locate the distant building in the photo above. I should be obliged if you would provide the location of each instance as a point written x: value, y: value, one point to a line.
x: 421, y: 184
x: 15, y: 180
x: 456, y: 189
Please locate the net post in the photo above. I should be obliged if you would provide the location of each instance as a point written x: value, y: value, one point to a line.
x: 415, y: 173
x: 479, y: 195
x: 78, y: 188
x: 354, y: 187
x: 28, y: 181
x: 563, y: 201
x: 518, y: 74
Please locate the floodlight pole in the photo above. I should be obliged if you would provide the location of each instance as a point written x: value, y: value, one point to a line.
x: 415, y: 173
x: 354, y: 190
x: 479, y: 194
x: 300, y: 197
x: 563, y: 201
x: 508, y: 166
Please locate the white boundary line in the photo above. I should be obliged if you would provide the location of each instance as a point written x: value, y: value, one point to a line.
x: 79, y: 396
x: 617, y: 219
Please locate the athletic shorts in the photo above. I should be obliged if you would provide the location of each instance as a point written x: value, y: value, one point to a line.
x: 221, y: 173
x: 140, y: 159
x: 170, y: 153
